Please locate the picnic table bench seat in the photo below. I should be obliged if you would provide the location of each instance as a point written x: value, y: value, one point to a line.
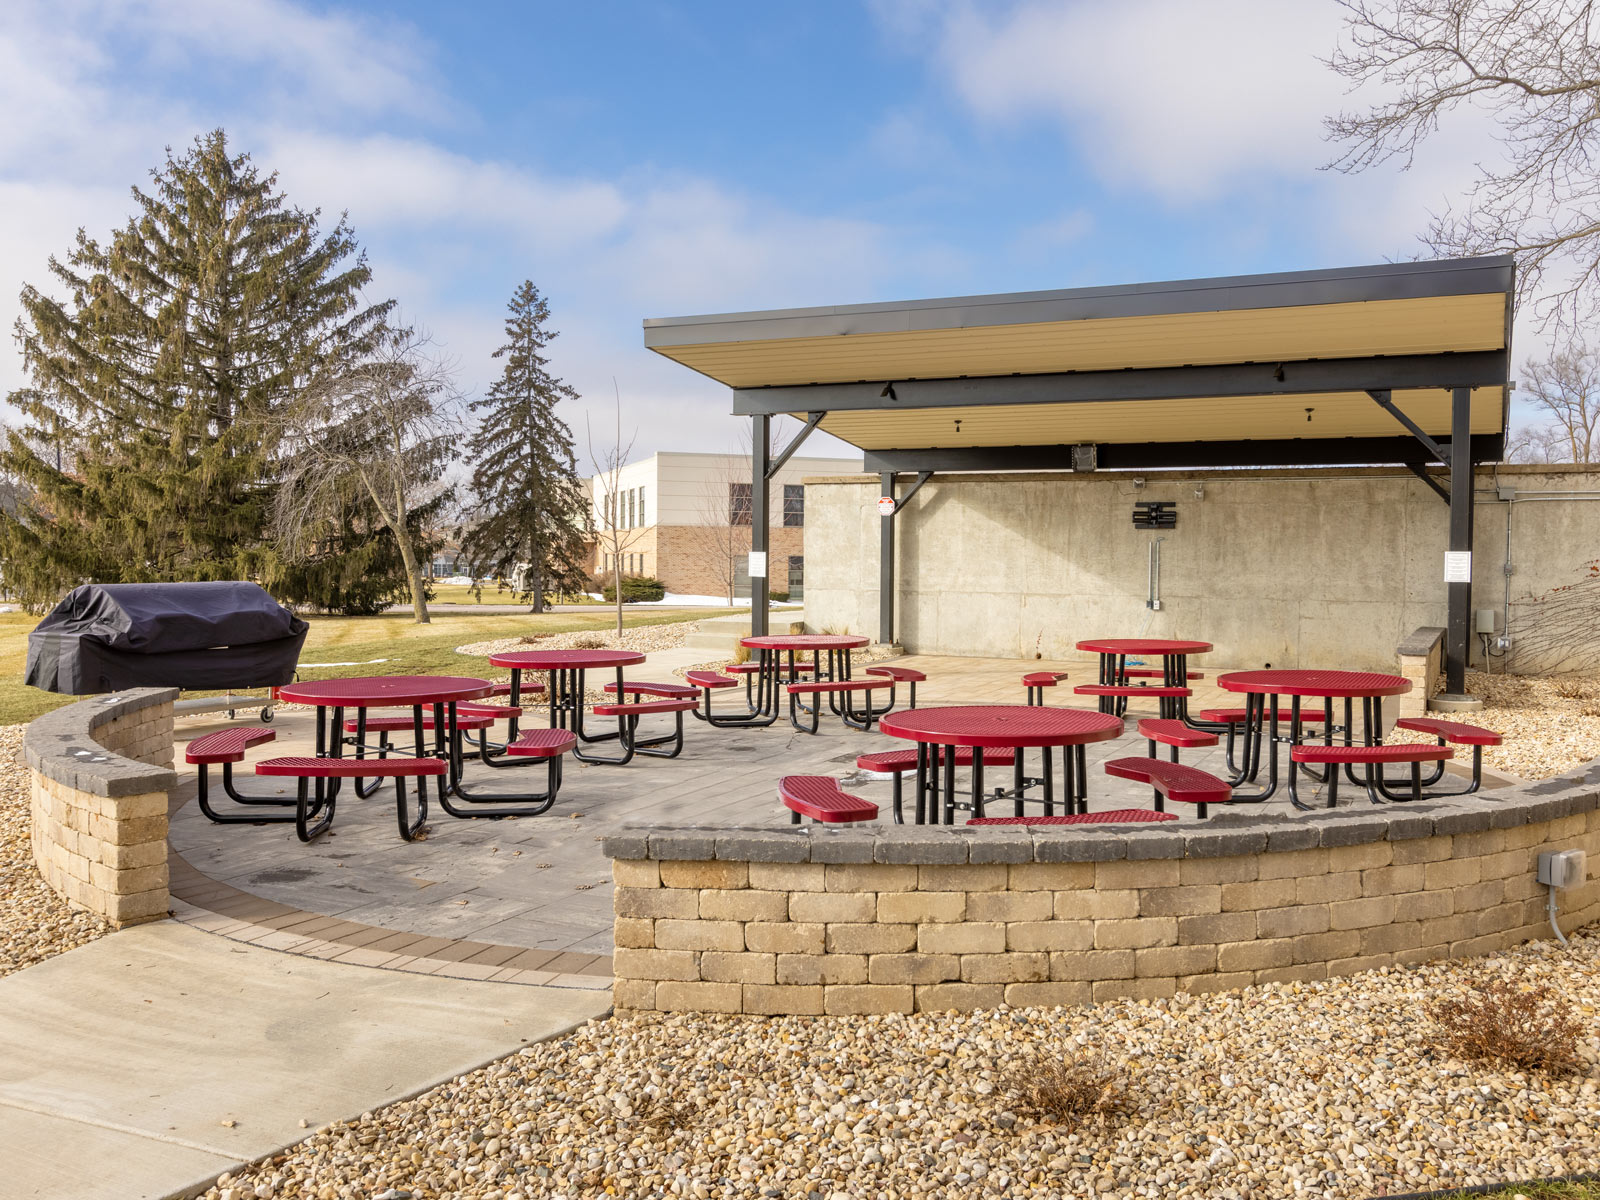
x: 1170, y: 731
x: 464, y: 720
x: 636, y: 708
x: 1041, y: 679
x: 898, y: 762
x: 542, y: 743
x: 890, y: 671
x: 303, y: 769
x: 529, y: 687
x: 822, y: 799
x: 1173, y: 781
x: 1405, y: 752
x: 836, y: 685
x: 710, y: 679
x: 500, y: 712
x: 1119, y: 816
x: 226, y: 745
x: 667, y: 691
x: 1236, y: 716
x: 1456, y: 732
x: 1129, y: 690
x: 744, y: 668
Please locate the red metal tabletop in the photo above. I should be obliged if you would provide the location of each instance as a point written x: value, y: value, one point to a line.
x: 1142, y: 646
x: 1001, y: 725
x: 386, y: 691
x: 565, y: 660
x: 1330, y: 684
x: 805, y: 641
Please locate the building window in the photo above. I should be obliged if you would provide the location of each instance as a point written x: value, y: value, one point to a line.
x: 642, y: 519
x: 797, y: 577
x: 738, y: 504
x: 630, y: 508
x: 794, y: 504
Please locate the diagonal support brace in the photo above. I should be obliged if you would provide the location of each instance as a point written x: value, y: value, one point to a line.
x: 922, y: 478
x: 812, y: 421
x: 1386, y: 402
x: 1421, y: 473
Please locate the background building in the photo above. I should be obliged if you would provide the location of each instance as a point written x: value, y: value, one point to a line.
x: 685, y: 520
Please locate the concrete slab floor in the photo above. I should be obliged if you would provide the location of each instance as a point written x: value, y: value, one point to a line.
x: 122, y: 1061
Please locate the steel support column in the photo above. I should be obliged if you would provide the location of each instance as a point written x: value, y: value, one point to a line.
x: 1458, y: 627
x: 886, y: 567
x: 760, y: 525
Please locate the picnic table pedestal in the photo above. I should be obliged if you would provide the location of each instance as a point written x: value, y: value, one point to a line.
x: 776, y: 665
x: 568, y: 681
x: 1174, y: 654
x: 1262, y: 689
x: 938, y: 733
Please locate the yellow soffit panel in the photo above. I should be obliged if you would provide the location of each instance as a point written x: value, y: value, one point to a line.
x: 1428, y: 325
x: 1231, y: 418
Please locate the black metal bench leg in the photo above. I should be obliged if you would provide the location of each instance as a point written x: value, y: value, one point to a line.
x: 304, y: 810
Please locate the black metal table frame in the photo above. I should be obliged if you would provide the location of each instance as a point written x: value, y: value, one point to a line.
x: 935, y: 786
x: 763, y: 686
x: 1174, y: 673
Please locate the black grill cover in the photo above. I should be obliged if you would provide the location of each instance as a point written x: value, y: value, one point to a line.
x: 197, y: 636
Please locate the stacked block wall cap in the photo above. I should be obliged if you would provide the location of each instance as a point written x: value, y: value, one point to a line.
x: 1224, y: 835
x: 62, y: 745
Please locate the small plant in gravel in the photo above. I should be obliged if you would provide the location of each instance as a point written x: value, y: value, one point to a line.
x: 663, y: 1116
x: 1084, y: 1088
x: 1505, y: 1023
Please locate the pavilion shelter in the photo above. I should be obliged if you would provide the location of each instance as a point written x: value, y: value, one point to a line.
x: 1401, y: 364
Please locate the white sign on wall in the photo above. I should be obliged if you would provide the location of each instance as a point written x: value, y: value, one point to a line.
x: 886, y: 506
x: 1458, y: 566
x: 758, y: 564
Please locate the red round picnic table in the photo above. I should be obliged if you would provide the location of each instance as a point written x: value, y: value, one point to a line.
x: 998, y: 726
x: 1260, y: 725
x: 1174, y: 654
x: 776, y: 666
x: 567, y: 687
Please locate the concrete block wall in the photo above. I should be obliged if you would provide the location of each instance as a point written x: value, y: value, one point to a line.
x: 817, y: 921
x: 101, y: 781
x: 1293, y: 568
x: 1422, y: 663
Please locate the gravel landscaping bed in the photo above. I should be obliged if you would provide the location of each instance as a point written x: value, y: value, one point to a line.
x: 1332, y: 1089
x: 1551, y: 724
x: 644, y: 638
x: 35, y: 923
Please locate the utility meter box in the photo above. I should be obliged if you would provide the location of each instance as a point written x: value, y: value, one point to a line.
x: 1562, y: 868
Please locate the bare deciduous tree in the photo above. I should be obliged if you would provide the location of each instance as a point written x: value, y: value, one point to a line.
x: 612, y: 536
x: 1534, y: 66
x: 382, y: 427
x: 1566, y: 387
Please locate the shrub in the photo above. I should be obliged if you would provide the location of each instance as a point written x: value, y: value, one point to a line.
x: 635, y: 588
x: 780, y: 597
x: 1082, y: 1089
x: 1528, y: 1026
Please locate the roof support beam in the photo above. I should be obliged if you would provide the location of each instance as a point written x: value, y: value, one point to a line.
x: 1458, y: 625
x: 812, y: 421
x: 1116, y: 456
x: 1386, y: 402
x: 1488, y: 368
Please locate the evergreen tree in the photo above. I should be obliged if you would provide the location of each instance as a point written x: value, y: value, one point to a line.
x: 147, y: 452
x: 529, y: 508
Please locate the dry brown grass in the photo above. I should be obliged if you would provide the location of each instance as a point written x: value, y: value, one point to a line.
x: 1504, y: 1023
x: 663, y: 1116
x: 1084, y: 1088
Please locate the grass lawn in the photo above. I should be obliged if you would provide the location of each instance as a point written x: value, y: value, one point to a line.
x: 1541, y: 1191
x: 404, y: 646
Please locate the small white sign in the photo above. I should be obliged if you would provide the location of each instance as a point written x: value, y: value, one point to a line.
x: 1458, y: 566
x: 758, y: 564
x: 886, y: 506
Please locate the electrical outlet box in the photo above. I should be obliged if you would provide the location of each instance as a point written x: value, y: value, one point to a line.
x: 1502, y: 643
x: 1153, y: 605
x: 1562, y: 868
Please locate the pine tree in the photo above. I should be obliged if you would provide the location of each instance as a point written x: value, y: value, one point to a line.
x: 529, y: 508
x: 147, y: 454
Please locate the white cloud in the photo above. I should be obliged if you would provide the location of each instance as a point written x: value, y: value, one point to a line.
x: 1167, y: 95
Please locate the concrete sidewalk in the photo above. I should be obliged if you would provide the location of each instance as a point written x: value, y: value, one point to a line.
x: 149, y: 1062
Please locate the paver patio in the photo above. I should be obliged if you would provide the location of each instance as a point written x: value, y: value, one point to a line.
x: 532, y: 896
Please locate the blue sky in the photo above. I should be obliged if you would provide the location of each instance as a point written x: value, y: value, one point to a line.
x: 641, y: 159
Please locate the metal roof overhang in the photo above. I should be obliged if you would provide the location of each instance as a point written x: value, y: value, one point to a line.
x: 1207, y: 372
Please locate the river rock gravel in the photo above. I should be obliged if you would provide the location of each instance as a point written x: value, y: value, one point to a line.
x: 1551, y: 724
x: 35, y: 923
x: 1332, y: 1090
x: 644, y: 638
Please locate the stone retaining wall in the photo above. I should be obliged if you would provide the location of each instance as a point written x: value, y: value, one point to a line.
x: 899, y: 919
x: 102, y: 775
